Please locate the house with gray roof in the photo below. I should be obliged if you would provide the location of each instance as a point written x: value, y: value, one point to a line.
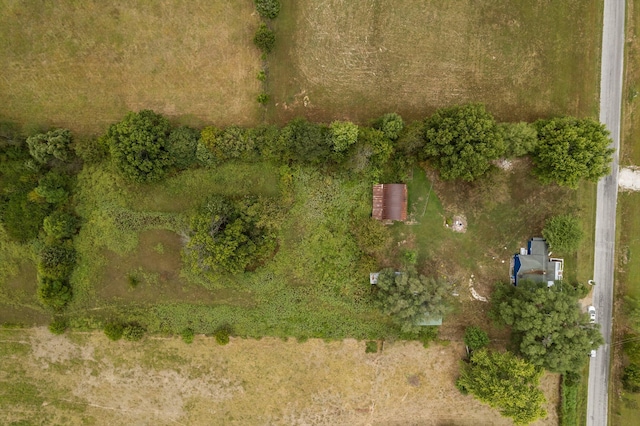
x: 534, y: 263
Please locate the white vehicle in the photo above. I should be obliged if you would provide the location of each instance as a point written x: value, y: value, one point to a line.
x: 593, y: 353
x: 592, y: 314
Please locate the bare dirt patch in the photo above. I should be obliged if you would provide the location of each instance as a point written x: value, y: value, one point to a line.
x: 86, y: 378
x: 629, y: 178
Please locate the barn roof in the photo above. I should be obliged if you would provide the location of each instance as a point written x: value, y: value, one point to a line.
x: 390, y: 201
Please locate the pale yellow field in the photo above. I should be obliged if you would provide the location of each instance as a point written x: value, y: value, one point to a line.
x: 86, y: 379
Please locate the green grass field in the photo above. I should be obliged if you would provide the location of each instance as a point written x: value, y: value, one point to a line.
x: 408, y: 56
x: 83, y: 65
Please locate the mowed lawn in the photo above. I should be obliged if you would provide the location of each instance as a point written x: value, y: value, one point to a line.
x: 340, y: 59
x: 83, y: 65
x: 83, y: 378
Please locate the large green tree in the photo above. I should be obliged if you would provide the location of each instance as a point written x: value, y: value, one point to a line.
x: 139, y: 146
x: 571, y: 149
x: 409, y: 297
x: 563, y: 233
x: 505, y: 382
x: 461, y: 141
x: 228, y: 235
x: 548, y: 326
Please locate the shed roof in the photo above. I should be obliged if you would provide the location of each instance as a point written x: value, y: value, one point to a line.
x: 390, y: 201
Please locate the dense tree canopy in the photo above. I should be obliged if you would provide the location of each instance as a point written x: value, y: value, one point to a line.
x: 563, y: 233
x: 548, y: 325
x: 391, y: 125
x: 60, y: 225
x: 268, y: 8
x: 139, y: 146
x: 54, y: 144
x: 343, y: 135
x: 519, y: 138
x: 228, y: 235
x: 304, y: 142
x: 264, y: 39
x: 408, y: 297
x: 461, y: 141
x: 54, y: 293
x: 571, y: 149
x: 182, y: 145
x: 504, y: 382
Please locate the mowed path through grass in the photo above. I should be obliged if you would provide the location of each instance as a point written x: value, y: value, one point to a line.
x: 83, y: 65
x: 339, y: 59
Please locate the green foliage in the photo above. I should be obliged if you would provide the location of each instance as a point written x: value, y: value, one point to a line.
x: 133, y: 280
x: 411, y: 141
x: 91, y: 150
x: 182, y: 145
x: 461, y: 141
x: 262, y: 75
x: 409, y: 297
x: 343, y: 135
x: 133, y: 332
x: 21, y: 217
x: 571, y: 149
x: 391, y: 125
x: 303, y: 142
x: 548, y: 326
x: 264, y: 39
x: 232, y: 143
x: 563, y: 233
x: 371, y: 154
x: 58, y: 325
x: 222, y: 335
x: 56, y: 260
x: 53, y: 188
x: 519, y: 138
x: 506, y: 383
x: 262, y: 98
x: 475, y: 338
x: 569, y: 399
x: 410, y: 257
x: 631, y: 378
x: 187, y: 335
x: 267, y: 8
x: 60, y: 225
x: 371, y: 347
x: 229, y: 237
x: 139, y: 146
x: 372, y: 236
x: 54, y: 293
x: 55, y: 144
x: 114, y: 330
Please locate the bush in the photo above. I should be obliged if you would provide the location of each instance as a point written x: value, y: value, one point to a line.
x: 563, y: 233
x: 222, y: 335
x: 187, y: 335
x: 475, y: 338
x: 343, y: 135
x: 113, y: 330
x: 631, y: 378
x: 53, y: 187
x: 55, y: 144
x: 182, y: 145
x: 264, y: 38
x: 410, y: 257
x: 54, y: 293
x: 268, y: 8
x: 58, y: 325
x: 133, y: 332
x: 22, y: 218
x: 262, y: 98
x: 371, y: 347
x: 262, y: 75
x: 133, y: 280
x: 91, y: 150
x: 60, y: 225
x: 57, y: 260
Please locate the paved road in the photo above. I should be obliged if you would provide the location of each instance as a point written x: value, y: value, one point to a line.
x: 610, y: 102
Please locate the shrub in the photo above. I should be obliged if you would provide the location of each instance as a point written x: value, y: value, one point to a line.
x: 268, y: 8
x: 410, y: 257
x: 222, y: 335
x: 475, y: 338
x: 91, y: 150
x: 52, y: 188
x: 519, y: 138
x: 54, y: 293
x: 58, y: 325
x: 113, y: 330
x: 371, y: 347
x: 262, y: 75
x: 343, y: 135
x: 182, y: 145
x: 22, y: 218
x: 262, y: 98
x: 133, y: 332
x: 631, y: 378
x: 187, y: 335
x: 57, y: 260
x: 55, y: 144
x: 264, y: 38
x: 60, y: 225
x: 133, y: 280
x: 563, y: 233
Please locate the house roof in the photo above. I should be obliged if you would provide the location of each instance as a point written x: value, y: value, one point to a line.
x: 390, y: 201
x: 535, y: 265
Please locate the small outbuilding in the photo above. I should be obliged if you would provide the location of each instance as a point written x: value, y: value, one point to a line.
x: 390, y: 201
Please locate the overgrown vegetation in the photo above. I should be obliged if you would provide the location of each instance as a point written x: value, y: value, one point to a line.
x: 563, y: 233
